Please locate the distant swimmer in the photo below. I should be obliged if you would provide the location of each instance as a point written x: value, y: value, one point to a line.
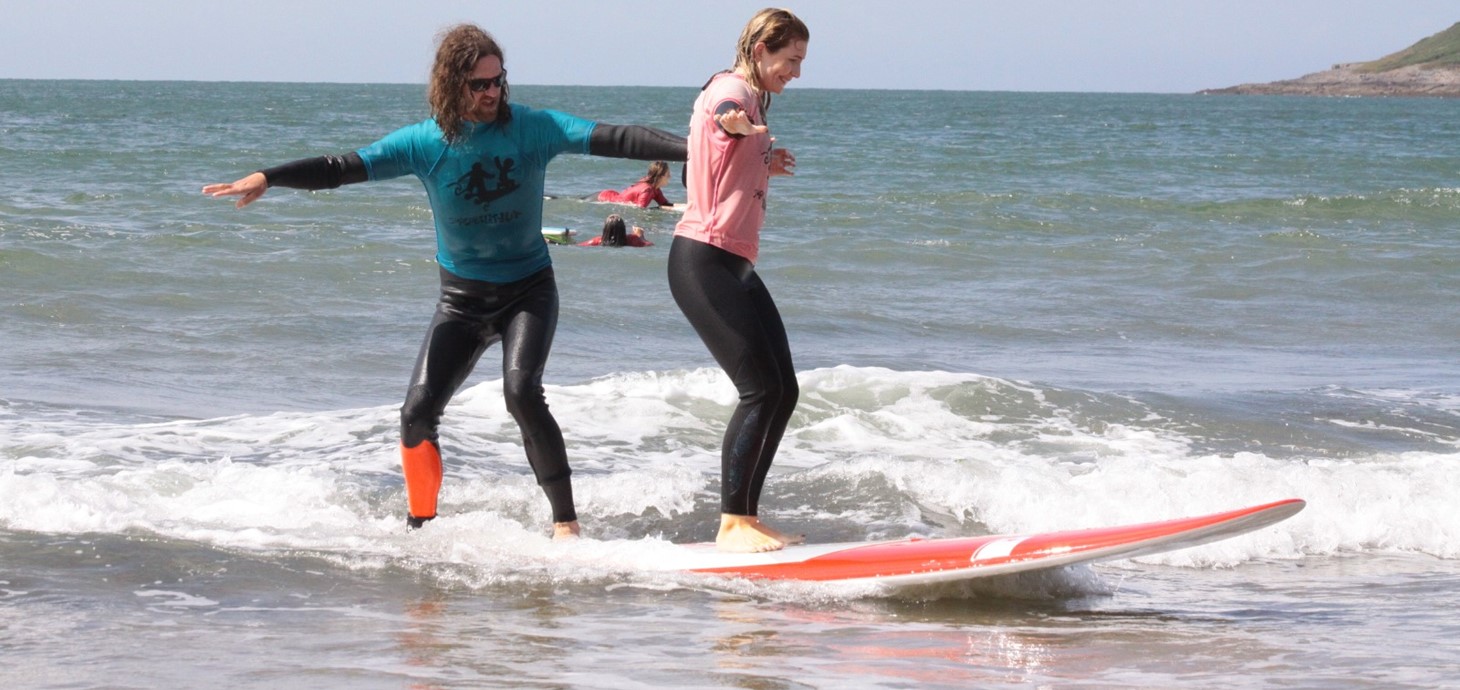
x: 485, y: 183
x: 615, y: 235
x: 649, y: 188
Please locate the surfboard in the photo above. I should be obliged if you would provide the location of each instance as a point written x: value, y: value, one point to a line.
x: 557, y: 235
x: 918, y: 561
x: 678, y: 208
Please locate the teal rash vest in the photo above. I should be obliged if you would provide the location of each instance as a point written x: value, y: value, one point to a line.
x: 486, y: 190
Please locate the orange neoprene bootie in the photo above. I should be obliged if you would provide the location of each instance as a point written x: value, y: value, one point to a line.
x: 422, y: 466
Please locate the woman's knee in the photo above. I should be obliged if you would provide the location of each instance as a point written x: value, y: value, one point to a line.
x: 776, y: 392
x: 783, y: 395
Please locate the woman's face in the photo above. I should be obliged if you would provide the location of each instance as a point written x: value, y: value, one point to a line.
x: 487, y: 76
x: 778, y: 68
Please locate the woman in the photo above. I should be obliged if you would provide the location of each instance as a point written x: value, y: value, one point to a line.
x: 482, y: 161
x: 712, y: 264
x: 649, y: 188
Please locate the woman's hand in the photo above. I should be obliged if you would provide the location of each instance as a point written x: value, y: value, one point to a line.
x: 737, y: 122
x: 783, y: 162
x: 248, y: 189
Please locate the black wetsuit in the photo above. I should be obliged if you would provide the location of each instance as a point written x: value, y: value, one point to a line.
x: 472, y: 315
x: 733, y: 313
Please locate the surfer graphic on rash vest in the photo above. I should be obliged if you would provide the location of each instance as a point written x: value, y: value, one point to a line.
x: 482, y: 161
x: 473, y: 186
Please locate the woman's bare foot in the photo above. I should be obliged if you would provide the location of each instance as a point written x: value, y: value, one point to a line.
x: 787, y: 539
x: 743, y: 534
x: 565, y: 530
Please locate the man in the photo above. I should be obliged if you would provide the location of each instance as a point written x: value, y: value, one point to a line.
x: 482, y: 161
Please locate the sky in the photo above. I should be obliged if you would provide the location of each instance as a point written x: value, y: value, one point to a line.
x: 1145, y: 46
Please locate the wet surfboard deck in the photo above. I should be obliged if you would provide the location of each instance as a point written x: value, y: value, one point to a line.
x: 918, y: 561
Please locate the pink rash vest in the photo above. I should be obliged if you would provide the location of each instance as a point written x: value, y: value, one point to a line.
x: 726, y: 176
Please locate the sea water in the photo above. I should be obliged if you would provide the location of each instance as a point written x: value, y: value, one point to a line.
x: 1010, y: 312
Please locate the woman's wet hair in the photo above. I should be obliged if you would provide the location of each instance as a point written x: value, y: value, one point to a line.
x: 615, y: 234
x: 776, y: 28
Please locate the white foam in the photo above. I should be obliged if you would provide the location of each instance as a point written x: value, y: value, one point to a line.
x: 876, y: 450
x: 169, y: 599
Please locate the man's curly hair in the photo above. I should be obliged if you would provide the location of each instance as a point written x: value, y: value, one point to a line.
x: 460, y: 48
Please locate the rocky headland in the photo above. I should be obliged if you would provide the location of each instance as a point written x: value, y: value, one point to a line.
x: 1429, y: 68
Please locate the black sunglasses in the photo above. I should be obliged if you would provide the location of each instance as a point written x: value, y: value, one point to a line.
x: 480, y: 85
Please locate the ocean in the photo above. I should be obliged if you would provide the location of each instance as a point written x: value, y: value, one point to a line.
x: 1010, y: 312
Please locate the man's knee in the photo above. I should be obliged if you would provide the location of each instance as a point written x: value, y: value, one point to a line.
x: 419, y: 417
x: 523, y: 394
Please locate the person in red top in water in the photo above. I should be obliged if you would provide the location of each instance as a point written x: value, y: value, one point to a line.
x: 615, y: 235
x: 649, y: 188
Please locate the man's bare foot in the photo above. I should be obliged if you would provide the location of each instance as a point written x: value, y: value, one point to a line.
x: 565, y: 530
x: 742, y: 534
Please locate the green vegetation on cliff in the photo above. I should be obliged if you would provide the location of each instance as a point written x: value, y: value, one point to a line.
x: 1440, y: 49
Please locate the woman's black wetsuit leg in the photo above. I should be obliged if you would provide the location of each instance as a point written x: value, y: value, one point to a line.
x: 733, y: 313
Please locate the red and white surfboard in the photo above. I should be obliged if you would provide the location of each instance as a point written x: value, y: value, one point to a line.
x: 917, y: 560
